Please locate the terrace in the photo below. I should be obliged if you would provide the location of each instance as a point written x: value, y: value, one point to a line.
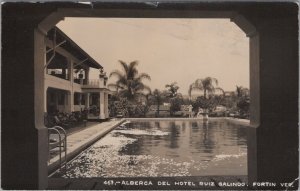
x: 68, y: 87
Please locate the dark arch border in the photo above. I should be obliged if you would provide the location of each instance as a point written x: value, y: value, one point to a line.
x: 275, y: 151
x: 235, y: 17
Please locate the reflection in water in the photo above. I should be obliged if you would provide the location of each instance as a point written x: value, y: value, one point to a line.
x: 166, y: 148
x: 174, y: 135
x: 208, y: 138
x: 157, y: 124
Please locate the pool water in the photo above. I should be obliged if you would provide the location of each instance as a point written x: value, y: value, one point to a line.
x: 165, y: 149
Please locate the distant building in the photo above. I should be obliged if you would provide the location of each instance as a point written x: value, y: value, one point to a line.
x: 162, y: 108
x: 166, y: 104
x: 68, y: 87
x: 220, y: 108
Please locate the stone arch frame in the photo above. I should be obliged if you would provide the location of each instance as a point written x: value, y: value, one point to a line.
x: 276, y: 120
x: 246, y: 26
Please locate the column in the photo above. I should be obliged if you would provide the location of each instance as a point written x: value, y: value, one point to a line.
x: 69, y: 101
x: 273, y: 137
x: 254, y: 107
x: 102, y: 103
x: 24, y: 145
x: 87, y: 75
x: 72, y: 101
x: 45, y: 99
x: 87, y: 100
x: 71, y: 69
x: 34, y: 176
x: 80, y: 97
x: 106, y: 106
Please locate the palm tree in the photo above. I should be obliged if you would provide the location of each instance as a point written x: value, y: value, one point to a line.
x: 157, y: 97
x: 172, y: 89
x: 129, y: 83
x: 175, y: 98
x: 221, y: 90
x: 207, y: 85
x: 239, y: 91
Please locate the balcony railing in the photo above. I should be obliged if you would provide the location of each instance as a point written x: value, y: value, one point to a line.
x: 58, y: 74
x: 94, y: 83
x: 84, y: 83
x: 80, y: 81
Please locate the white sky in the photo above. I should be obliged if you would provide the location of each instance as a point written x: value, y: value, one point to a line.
x: 169, y: 50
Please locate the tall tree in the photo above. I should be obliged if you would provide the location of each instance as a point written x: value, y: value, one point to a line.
x: 175, y: 98
x: 172, y: 89
x: 157, y: 97
x: 208, y: 85
x: 220, y: 90
x: 241, y: 91
x: 129, y: 82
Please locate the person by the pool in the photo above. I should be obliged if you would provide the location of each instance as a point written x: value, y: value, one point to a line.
x: 190, y: 107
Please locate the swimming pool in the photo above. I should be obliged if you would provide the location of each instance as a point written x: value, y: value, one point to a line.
x: 165, y: 148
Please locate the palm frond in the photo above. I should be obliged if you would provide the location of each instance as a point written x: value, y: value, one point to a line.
x: 122, y: 81
x: 115, y: 87
x: 147, y: 88
x: 133, y: 64
x: 124, y: 93
x: 143, y: 76
x: 124, y: 66
x: 116, y: 73
x: 132, y: 70
x: 112, y: 86
x: 210, y: 80
x: 220, y: 89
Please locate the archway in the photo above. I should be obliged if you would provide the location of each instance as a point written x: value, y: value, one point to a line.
x: 249, y: 30
x: 273, y: 68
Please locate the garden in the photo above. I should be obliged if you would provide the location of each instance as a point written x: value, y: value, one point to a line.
x: 133, y: 98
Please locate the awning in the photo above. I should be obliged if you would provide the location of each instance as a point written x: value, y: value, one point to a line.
x: 72, y: 48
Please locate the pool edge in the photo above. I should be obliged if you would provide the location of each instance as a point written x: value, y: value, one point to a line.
x: 237, y: 121
x: 71, y: 155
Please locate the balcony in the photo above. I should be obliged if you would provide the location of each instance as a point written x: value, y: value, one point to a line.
x: 58, y: 73
x: 94, y: 83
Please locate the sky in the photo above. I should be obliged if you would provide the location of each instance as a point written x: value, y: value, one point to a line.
x: 169, y: 50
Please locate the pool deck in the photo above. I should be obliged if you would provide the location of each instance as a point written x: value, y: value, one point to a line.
x: 80, y: 140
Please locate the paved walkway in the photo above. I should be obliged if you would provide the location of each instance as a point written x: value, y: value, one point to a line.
x: 80, y: 140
